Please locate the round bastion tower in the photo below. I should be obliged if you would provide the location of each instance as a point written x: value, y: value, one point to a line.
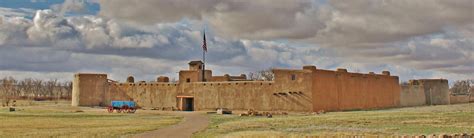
x: 88, y: 89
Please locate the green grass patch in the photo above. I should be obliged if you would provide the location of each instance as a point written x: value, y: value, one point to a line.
x: 64, y: 121
x: 404, y: 121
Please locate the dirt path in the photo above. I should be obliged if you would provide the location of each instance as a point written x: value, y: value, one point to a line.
x: 192, y: 122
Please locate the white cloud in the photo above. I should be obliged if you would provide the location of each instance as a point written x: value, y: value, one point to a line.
x: 233, y: 18
x: 52, y: 43
x: 21, y: 12
x: 69, y: 6
x: 359, y: 35
x: 332, y: 22
x: 384, y: 32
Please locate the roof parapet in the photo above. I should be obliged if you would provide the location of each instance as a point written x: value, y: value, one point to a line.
x: 130, y: 79
x: 309, y: 67
x: 387, y: 73
x: 341, y: 70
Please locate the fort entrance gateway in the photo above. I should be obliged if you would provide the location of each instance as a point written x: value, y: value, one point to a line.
x: 185, y: 103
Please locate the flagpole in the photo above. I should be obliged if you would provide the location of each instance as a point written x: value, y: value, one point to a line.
x: 203, y: 65
x: 204, y: 57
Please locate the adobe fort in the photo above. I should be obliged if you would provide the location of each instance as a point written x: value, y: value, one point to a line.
x: 308, y: 89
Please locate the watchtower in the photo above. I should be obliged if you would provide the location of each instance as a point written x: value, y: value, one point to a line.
x: 89, y: 89
x: 195, y: 65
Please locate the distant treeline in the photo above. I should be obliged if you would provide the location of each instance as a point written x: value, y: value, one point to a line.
x: 462, y: 87
x: 33, y: 89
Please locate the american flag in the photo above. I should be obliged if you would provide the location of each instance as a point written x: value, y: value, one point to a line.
x: 204, y: 45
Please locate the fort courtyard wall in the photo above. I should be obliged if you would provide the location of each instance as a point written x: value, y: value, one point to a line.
x: 293, y: 89
x: 457, y: 99
x: 156, y: 95
x: 308, y: 89
x: 340, y: 90
x: 471, y: 96
x: 428, y: 92
x: 240, y: 95
x: 412, y: 95
x: 436, y: 91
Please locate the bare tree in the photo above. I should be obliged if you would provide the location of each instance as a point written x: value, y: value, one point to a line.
x: 461, y: 87
x: 2, y: 93
x: 50, y: 89
x: 68, y: 88
x: 265, y: 75
x: 37, y: 88
x: 33, y: 89
x: 27, y: 87
x: 8, y: 88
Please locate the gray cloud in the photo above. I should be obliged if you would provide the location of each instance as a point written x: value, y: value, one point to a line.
x: 53, y: 43
x: 46, y: 60
x: 334, y: 22
x: 69, y: 6
x: 148, y: 37
x: 381, y: 31
x: 232, y: 18
x: 375, y: 21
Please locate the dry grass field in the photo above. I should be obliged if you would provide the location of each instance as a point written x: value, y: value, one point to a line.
x: 48, y: 119
x: 443, y: 119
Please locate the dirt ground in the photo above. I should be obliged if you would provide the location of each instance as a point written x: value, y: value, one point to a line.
x: 192, y: 123
x: 61, y: 119
x: 48, y: 119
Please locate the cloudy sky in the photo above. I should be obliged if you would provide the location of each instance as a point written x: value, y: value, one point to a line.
x: 413, y: 39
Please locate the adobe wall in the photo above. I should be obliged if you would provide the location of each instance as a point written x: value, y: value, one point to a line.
x: 240, y: 95
x: 412, y: 95
x: 232, y: 95
x: 227, y: 77
x: 292, y: 95
x: 88, y: 89
x: 471, y: 99
x: 194, y: 75
x: 152, y: 95
x: 340, y: 90
x: 243, y: 96
x: 436, y: 91
x: 241, y: 77
x: 309, y: 89
x: 457, y: 99
x: 219, y: 78
x: 471, y: 94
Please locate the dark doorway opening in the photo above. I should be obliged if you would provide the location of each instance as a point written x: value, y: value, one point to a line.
x: 188, y: 104
x: 185, y: 103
